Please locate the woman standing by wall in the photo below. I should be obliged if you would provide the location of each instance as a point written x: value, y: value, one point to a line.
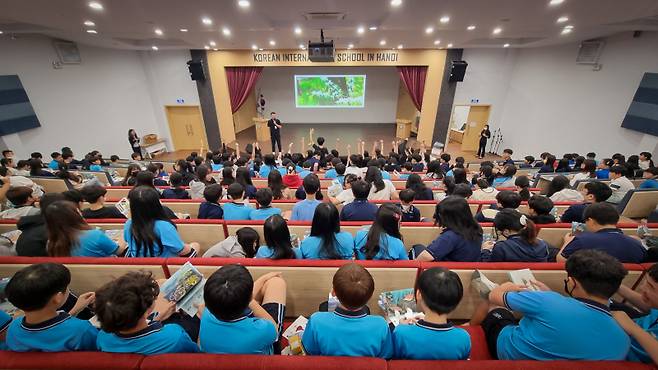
x: 484, y: 136
x: 133, y: 138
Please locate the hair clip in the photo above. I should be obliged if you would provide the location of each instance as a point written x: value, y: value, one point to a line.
x: 523, y: 220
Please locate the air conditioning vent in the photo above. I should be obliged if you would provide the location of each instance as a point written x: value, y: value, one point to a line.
x: 324, y: 16
x: 589, y: 52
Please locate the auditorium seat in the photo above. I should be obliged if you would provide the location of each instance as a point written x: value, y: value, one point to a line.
x: 255, y: 362
x: 638, y: 203
x: 51, y: 184
x: 69, y: 361
x: 515, y: 365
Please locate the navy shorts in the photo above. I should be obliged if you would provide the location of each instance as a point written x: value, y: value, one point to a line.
x: 493, y: 324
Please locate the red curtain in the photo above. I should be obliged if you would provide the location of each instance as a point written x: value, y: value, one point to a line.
x: 413, y: 78
x: 241, y: 80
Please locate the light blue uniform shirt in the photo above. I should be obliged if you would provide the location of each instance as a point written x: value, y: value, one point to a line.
x: 94, y: 243
x: 650, y: 324
x: 236, y: 211
x: 266, y: 252
x: 153, y: 340
x: 171, y: 241
x: 263, y: 213
x: 429, y: 341
x: 303, y: 173
x: 95, y: 167
x: 59, y: 334
x: 5, y: 320
x: 265, y: 170
x: 244, y: 335
x: 390, y: 248
x: 304, y: 210
x: 53, y: 165
x: 344, y: 244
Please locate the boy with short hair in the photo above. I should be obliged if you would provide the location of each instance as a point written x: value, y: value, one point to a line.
x: 445, y: 162
x: 593, y: 192
x: 123, y: 307
x: 620, y: 184
x: 539, y: 210
x: 95, y: 196
x: 210, y: 209
x: 304, y: 210
x: 22, y: 200
x: 507, y: 158
x: 40, y: 290
x: 650, y: 176
x: 176, y: 191
x: 236, y: 209
x: 438, y: 292
x: 528, y: 162
x: 54, y: 163
x: 409, y: 212
x: 264, y: 198
x: 359, y: 209
x: 248, y: 314
x: 349, y: 330
x: 96, y: 163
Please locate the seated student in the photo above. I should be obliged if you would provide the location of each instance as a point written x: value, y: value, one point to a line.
x: 176, y: 191
x: 36, y: 169
x: 155, y: 170
x: 522, y: 184
x: 359, y: 209
x: 650, y: 176
x: 507, y: 158
x: 461, y: 190
x: 528, y: 162
x: 409, y: 212
x: 291, y: 179
x: 349, y: 330
x: 603, y: 169
x: 461, y: 238
x: 539, y: 210
x: 265, y: 209
x: 549, y: 164
x: 587, y: 171
x: 346, y: 196
x: 277, y: 240
x: 149, y: 232
x: 69, y: 235
x: 306, y: 169
x: 504, y: 199
x: 520, y: 242
x: 438, y: 292
x: 269, y: 165
x: 34, y: 235
x: 484, y: 192
x: 23, y: 203
x: 505, y: 178
x: 445, y: 163
x: 340, y: 173
x: 559, y: 191
x: 331, y: 173
x: 236, y: 209
x: 326, y: 241
x: 243, y: 178
x: 602, y: 234
x: 211, y: 209
x: 563, y: 165
x: 243, y: 244
x: 123, y: 307
x: 383, y: 240
x: 380, y: 189
x: 554, y: 326
x: 95, y: 196
x: 416, y: 183
x: 593, y: 192
x: 645, y: 161
x: 227, y: 176
x: 40, y: 290
x: 620, y: 184
x: 95, y: 164
x: 303, y: 210
x: 54, y: 163
x: 248, y: 312
x: 202, y: 178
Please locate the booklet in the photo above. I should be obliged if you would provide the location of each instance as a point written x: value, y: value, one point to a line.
x: 523, y: 277
x: 294, y: 336
x: 123, y: 206
x: 185, y: 287
x: 399, y: 305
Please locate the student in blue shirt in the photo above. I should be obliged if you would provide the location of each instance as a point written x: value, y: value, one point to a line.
x: 556, y: 327
x: 303, y: 210
x: 306, y: 169
x: 5, y: 320
x: 277, y: 238
x: 349, y: 330
x: 95, y: 164
x: 461, y: 238
x: 340, y: 173
x: 149, y: 233
x: 242, y: 177
x: 269, y: 164
x: 236, y: 210
x: 123, y: 308
x: 593, y: 192
x: 40, y: 290
x: 326, y: 241
x: 359, y: 209
x: 603, y: 169
x: 264, y: 198
x: 383, y: 240
x: 70, y: 235
x: 438, y: 292
x: 520, y: 242
x: 176, y: 191
x: 247, y: 314
x: 211, y: 209
x: 331, y: 173
x: 601, y: 223
x: 56, y: 159
x: 650, y: 176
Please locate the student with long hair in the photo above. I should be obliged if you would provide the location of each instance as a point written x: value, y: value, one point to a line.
x: 505, y: 178
x: 275, y: 183
x: 549, y: 164
x: 484, y: 191
x: 459, y: 174
x: 149, y: 232
x: 70, y: 235
x: 36, y: 168
x: 520, y: 243
x: 380, y: 189
x: 185, y: 169
x: 242, y: 177
x: 277, y: 240
x: 241, y: 245
x: 227, y: 177
x: 522, y: 184
x: 133, y: 139
x: 587, y: 171
x: 422, y: 192
x: 563, y: 165
x: 131, y: 175
x: 485, y: 135
x: 461, y: 238
x: 203, y: 177
x: 383, y: 240
x: 559, y: 191
x: 64, y: 174
x: 326, y: 240
x: 434, y: 170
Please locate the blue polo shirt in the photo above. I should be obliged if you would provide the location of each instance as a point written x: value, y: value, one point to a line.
x: 385, y: 175
x: 217, y: 167
x: 612, y: 241
x: 358, y: 210
x: 304, y: 210
x: 95, y: 167
x: 171, y: 241
x: 555, y: 327
x: 649, y: 184
x: 429, y: 341
x: 516, y: 249
x: 390, y: 247
x: 603, y: 174
x: 450, y: 246
x: 343, y: 243
x: 650, y: 324
x: 263, y: 213
x: 59, y: 334
x: 265, y: 170
x: 236, y: 211
x: 53, y: 165
x: 209, y: 210
x: 330, y: 174
x: 94, y: 243
x: 347, y: 333
x: 304, y: 173
x: 5, y: 320
x: 574, y: 213
x: 244, y: 335
x: 155, y: 339
x: 266, y: 252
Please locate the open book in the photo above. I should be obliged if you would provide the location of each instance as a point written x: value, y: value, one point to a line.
x: 399, y: 305
x: 123, y: 205
x: 484, y: 286
x: 523, y: 277
x: 185, y: 287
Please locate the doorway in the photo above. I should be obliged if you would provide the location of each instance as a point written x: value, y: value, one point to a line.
x: 466, y: 123
x: 186, y: 127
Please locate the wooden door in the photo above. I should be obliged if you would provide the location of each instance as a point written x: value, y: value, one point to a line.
x: 186, y: 127
x: 478, y: 116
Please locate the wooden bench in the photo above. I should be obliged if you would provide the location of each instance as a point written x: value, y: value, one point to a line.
x: 51, y: 184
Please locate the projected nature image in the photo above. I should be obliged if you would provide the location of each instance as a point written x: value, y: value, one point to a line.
x: 330, y: 91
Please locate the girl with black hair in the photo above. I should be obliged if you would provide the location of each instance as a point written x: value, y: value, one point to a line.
x: 434, y: 170
x: 131, y: 175
x: 415, y: 183
x: 484, y: 191
x: 587, y: 171
x: 563, y: 165
x: 522, y: 184
x: 380, y: 189
x: 227, y: 177
x: 203, y: 177
x: 36, y: 168
x: 279, y: 190
x: 241, y: 245
x: 485, y: 135
x: 149, y: 233
x: 277, y: 240
x: 242, y: 177
x: 383, y: 241
x: 549, y: 164
x: 520, y: 243
x: 459, y: 174
x: 133, y: 139
x: 559, y: 191
x: 326, y: 240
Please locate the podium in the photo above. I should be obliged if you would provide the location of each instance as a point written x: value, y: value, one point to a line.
x: 262, y: 131
x: 403, y: 128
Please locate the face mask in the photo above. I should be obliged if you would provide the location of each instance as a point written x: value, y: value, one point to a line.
x: 566, y: 288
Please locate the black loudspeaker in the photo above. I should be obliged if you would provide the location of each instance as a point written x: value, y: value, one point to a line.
x: 458, y: 70
x: 196, y: 70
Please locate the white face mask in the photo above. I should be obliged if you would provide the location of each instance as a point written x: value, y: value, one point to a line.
x: 405, y: 207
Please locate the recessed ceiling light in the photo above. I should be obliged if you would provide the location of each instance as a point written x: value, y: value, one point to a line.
x: 206, y: 47
x: 372, y: 28
x: 215, y: 49
x: 436, y: 42
x: 568, y: 27
x: 244, y: 3
x: 298, y: 30
x: 444, y: 19
x: 212, y: 43
x: 562, y: 19
x: 567, y: 31
x: 396, y: 2
x: 92, y: 31
x: 471, y: 27
x: 350, y: 46
x: 226, y: 31
x: 1, y: 32
x: 272, y: 42
x: 154, y: 47
x: 360, y: 30
x: 497, y: 30
x: 429, y: 30
x: 449, y: 45
x: 260, y: 49
x: 400, y: 46
x: 206, y: 21
x: 183, y: 29
x: 301, y: 46
x: 505, y: 45
x: 382, y: 43
x: 95, y: 5
x: 555, y: 2
x: 158, y: 32
x: 254, y: 47
x: 89, y: 24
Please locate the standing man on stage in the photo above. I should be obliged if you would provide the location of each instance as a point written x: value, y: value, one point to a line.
x: 275, y: 131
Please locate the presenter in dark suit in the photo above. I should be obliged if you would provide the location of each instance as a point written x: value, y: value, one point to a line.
x: 275, y: 131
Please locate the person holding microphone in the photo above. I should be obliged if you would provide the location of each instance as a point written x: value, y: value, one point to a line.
x: 275, y: 131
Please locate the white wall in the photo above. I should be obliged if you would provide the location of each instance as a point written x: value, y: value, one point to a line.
x: 92, y: 105
x: 277, y: 85
x: 543, y: 101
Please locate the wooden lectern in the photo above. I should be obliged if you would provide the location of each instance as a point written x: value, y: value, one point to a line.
x: 403, y: 130
x: 262, y: 131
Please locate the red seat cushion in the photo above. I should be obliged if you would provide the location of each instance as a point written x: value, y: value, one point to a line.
x: 255, y: 362
x: 69, y: 361
x: 516, y: 365
x: 479, y: 349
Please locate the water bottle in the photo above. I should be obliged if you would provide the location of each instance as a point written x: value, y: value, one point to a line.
x: 643, y: 230
x: 554, y: 213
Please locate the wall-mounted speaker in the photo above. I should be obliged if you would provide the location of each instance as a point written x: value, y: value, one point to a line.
x: 458, y: 70
x: 196, y: 70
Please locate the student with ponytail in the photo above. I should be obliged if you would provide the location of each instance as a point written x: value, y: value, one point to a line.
x: 383, y: 240
x: 522, y: 184
x: 520, y: 242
